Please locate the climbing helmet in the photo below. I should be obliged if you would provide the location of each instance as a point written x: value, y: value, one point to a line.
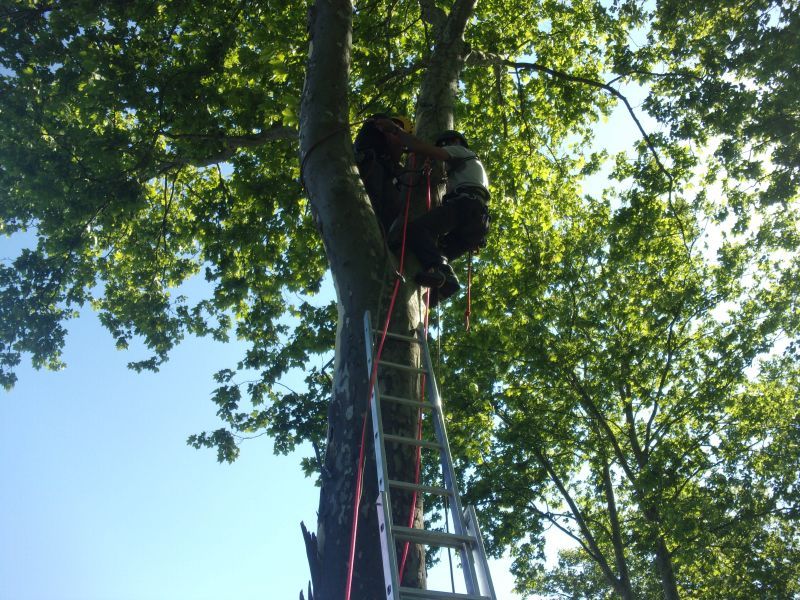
x: 404, y: 123
x: 450, y: 134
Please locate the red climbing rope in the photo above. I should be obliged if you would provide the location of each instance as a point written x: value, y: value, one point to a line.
x: 468, y: 311
x: 418, y: 458
x: 373, y: 378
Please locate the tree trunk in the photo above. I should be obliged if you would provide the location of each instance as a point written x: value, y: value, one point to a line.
x: 363, y: 274
x: 623, y: 582
x: 665, y: 570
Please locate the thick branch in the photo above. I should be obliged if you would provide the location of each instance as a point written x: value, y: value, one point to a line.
x: 433, y: 15
x: 640, y: 456
x: 230, y: 146
x: 440, y: 83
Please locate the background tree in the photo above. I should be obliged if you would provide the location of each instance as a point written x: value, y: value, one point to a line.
x: 146, y: 143
x: 646, y: 380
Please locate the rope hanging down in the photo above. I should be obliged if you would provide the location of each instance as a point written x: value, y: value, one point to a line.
x: 418, y: 457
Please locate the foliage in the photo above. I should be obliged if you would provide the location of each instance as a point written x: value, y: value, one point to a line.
x: 629, y: 338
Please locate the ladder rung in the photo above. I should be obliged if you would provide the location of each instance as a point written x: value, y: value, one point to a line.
x: 432, y: 538
x: 427, y: 489
x: 411, y: 441
x: 401, y: 367
x: 406, y: 401
x: 407, y: 593
x: 411, y: 339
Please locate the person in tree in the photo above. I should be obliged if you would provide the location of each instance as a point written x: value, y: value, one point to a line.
x: 378, y: 161
x: 461, y: 223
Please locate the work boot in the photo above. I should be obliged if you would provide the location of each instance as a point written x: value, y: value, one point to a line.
x: 440, y: 277
x: 450, y: 285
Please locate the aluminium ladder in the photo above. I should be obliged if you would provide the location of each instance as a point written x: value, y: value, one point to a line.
x: 466, y: 538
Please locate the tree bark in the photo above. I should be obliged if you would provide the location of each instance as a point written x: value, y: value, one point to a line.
x: 363, y: 275
x: 663, y: 561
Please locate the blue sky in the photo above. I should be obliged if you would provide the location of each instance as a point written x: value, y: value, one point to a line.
x: 102, y: 498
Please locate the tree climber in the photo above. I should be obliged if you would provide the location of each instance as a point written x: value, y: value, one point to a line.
x: 461, y: 223
x: 378, y: 161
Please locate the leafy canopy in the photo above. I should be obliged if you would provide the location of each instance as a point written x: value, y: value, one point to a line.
x: 147, y: 145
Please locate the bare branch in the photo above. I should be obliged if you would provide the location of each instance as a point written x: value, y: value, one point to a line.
x: 485, y: 58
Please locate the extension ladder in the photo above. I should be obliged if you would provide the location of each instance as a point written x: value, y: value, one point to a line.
x: 466, y: 536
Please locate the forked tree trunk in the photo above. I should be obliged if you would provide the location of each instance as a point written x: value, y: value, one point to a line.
x: 363, y: 275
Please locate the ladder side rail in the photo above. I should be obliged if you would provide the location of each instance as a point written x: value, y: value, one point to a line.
x: 375, y: 406
x: 390, y: 576
x: 484, y: 575
x: 415, y: 594
x: 390, y: 569
x: 448, y: 471
x: 435, y: 399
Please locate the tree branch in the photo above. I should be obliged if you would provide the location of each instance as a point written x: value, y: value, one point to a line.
x: 433, y: 15
x: 489, y: 59
x: 576, y: 511
x: 436, y: 100
x: 565, y: 530
x: 486, y: 58
x: 231, y: 145
x: 588, y: 404
x: 661, y: 383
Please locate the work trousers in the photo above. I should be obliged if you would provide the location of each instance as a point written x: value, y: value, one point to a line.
x: 448, y: 231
